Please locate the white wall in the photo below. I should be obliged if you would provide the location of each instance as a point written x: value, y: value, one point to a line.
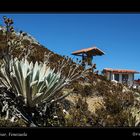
x: 120, y: 78
x: 108, y: 76
x: 130, y: 77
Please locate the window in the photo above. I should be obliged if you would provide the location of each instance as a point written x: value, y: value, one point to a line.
x: 116, y: 77
x: 125, y: 78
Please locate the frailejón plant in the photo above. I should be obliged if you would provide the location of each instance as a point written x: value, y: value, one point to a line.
x: 35, y: 82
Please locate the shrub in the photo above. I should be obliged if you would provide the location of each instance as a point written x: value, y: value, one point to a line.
x: 116, y: 101
x: 83, y: 88
x: 8, y: 123
x: 79, y: 115
x: 117, y: 107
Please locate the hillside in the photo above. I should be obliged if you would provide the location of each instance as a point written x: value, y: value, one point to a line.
x: 93, y: 101
x: 28, y: 40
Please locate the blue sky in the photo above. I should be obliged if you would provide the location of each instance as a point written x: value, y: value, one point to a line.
x: 118, y: 35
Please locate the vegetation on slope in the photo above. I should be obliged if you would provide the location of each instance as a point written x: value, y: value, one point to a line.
x: 89, y: 100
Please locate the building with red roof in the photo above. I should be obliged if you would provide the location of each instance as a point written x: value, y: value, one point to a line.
x: 87, y: 54
x: 120, y: 75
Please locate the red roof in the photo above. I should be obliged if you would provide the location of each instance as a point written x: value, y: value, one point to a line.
x: 93, y: 50
x: 119, y: 70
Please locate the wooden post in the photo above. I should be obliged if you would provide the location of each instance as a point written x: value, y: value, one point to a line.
x: 83, y: 60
